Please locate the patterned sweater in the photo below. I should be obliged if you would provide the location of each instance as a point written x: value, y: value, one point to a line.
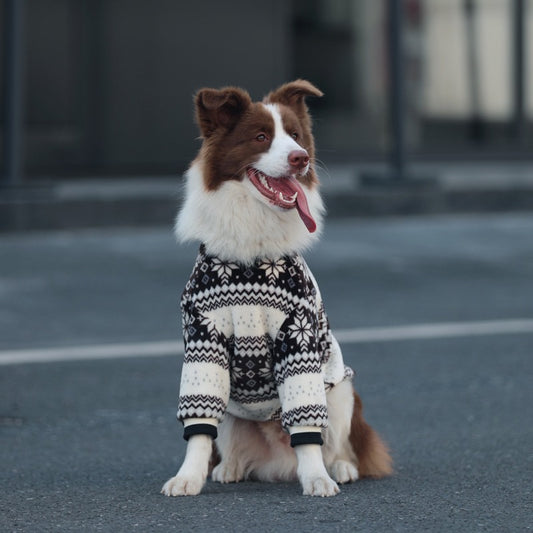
x: 257, y: 343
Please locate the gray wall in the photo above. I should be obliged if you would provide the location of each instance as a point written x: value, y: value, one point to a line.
x: 110, y: 82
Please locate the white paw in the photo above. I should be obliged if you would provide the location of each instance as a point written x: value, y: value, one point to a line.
x: 344, y: 471
x: 227, y: 472
x: 183, y: 486
x: 319, y: 486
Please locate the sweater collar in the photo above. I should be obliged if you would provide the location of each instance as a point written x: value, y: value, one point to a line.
x: 258, y: 262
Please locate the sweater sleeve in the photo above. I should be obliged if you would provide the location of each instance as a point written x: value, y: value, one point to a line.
x: 298, y: 372
x: 205, y: 381
x: 333, y: 367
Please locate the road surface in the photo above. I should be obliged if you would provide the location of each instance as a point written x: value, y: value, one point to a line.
x: 435, y: 314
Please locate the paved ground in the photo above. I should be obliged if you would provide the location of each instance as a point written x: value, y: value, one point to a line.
x: 86, y: 445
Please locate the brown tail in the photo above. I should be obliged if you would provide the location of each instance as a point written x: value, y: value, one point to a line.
x: 371, y: 451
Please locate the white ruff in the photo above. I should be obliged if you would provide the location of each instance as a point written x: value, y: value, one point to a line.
x: 237, y: 224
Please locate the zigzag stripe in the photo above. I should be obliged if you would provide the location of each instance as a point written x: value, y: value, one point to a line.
x: 310, y: 368
x: 206, y: 357
x: 200, y: 406
x: 267, y: 392
x: 247, y: 397
x: 206, y: 354
x: 307, y: 415
x: 253, y: 347
x: 229, y: 300
x: 249, y: 294
x: 252, y: 343
x: 296, y: 366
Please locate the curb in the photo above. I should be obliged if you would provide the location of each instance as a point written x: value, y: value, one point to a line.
x: 51, y: 209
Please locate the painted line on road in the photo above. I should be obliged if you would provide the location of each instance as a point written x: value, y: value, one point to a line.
x: 346, y: 336
x: 91, y: 352
x: 435, y: 331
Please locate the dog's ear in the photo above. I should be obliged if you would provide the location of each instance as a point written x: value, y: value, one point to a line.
x: 293, y: 94
x: 219, y: 108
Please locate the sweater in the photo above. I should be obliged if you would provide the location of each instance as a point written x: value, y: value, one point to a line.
x: 257, y: 343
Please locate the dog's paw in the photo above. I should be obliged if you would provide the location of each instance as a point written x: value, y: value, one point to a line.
x: 183, y: 486
x: 319, y: 486
x: 226, y: 472
x: 344, y: 471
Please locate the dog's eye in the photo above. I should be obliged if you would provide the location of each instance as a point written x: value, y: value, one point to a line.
x: 261, y: 138
x: 295, y: 135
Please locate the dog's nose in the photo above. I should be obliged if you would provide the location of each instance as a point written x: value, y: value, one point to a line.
x: 298, y: 159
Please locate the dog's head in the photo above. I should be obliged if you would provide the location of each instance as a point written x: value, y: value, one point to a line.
x: 260, y: 150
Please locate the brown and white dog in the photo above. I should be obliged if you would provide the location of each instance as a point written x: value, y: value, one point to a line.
x: 252, y: 193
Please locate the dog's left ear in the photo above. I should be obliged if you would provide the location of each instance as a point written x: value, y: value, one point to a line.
x: 219, y: 108
x: 293, y: 94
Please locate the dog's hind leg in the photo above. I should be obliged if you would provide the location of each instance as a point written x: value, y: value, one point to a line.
x: 253, y: 450
x: 242, y: 447
x: 339, y: 457
x: 232, y: 433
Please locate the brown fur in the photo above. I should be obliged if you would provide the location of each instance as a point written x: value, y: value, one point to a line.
x: 373, y: 458
x: 372, y: 453
x: 229, y: 123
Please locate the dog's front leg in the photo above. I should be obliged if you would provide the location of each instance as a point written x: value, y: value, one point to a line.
x: 193, y: 472
x: 312, y: 473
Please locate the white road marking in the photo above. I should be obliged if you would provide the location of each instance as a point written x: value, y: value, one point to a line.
x: 91, y: 352
x: 435, y: 331
x: 345, y: 336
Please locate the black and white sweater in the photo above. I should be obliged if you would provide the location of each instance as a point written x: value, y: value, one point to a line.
x: 257, y: 343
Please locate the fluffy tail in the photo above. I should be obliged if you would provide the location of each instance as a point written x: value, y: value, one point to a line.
x: 371, y: 451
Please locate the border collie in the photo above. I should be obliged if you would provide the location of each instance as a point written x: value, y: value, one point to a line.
x: 262, y: 373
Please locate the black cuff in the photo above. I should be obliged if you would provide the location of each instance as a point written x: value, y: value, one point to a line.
x: 200, y: 429
x: 306, y: 437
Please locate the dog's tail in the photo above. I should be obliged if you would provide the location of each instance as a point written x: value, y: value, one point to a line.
x: 371, y: 451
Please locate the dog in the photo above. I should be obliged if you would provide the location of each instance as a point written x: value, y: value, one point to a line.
x: 263, y: 375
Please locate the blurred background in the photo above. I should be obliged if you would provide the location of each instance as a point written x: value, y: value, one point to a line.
x: 104, y: 88
x: 97, y: 122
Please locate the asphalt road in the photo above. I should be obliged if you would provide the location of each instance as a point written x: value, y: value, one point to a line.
x: 86, y: 445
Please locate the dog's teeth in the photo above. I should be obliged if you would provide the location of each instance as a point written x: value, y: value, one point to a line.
x: 265, y: 184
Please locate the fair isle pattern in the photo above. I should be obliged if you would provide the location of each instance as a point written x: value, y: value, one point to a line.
x: 257, y: 343
x: 210, y: 405
x: 251, y: 369
x: 307, y: 415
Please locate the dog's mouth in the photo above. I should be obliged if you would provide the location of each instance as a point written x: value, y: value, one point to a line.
x: 285, y: 192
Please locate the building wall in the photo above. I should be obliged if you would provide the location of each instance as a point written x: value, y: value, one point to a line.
x: 448, y: 90
x: 109, y: 83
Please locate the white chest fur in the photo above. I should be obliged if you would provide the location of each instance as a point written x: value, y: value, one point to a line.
x: 235, y: 225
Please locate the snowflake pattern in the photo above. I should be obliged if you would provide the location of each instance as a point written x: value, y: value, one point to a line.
x: 209, y: 326
x: 223, y: 269
x: 188, y: 328
x: 273, y: 269
x: 257, y: 363
x: 196, y: 325
x: 301, y: 329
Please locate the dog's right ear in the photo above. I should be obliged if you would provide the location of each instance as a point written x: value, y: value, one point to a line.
x: 219, y: 108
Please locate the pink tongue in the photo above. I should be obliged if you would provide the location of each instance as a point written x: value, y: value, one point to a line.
x: 301, y: 205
